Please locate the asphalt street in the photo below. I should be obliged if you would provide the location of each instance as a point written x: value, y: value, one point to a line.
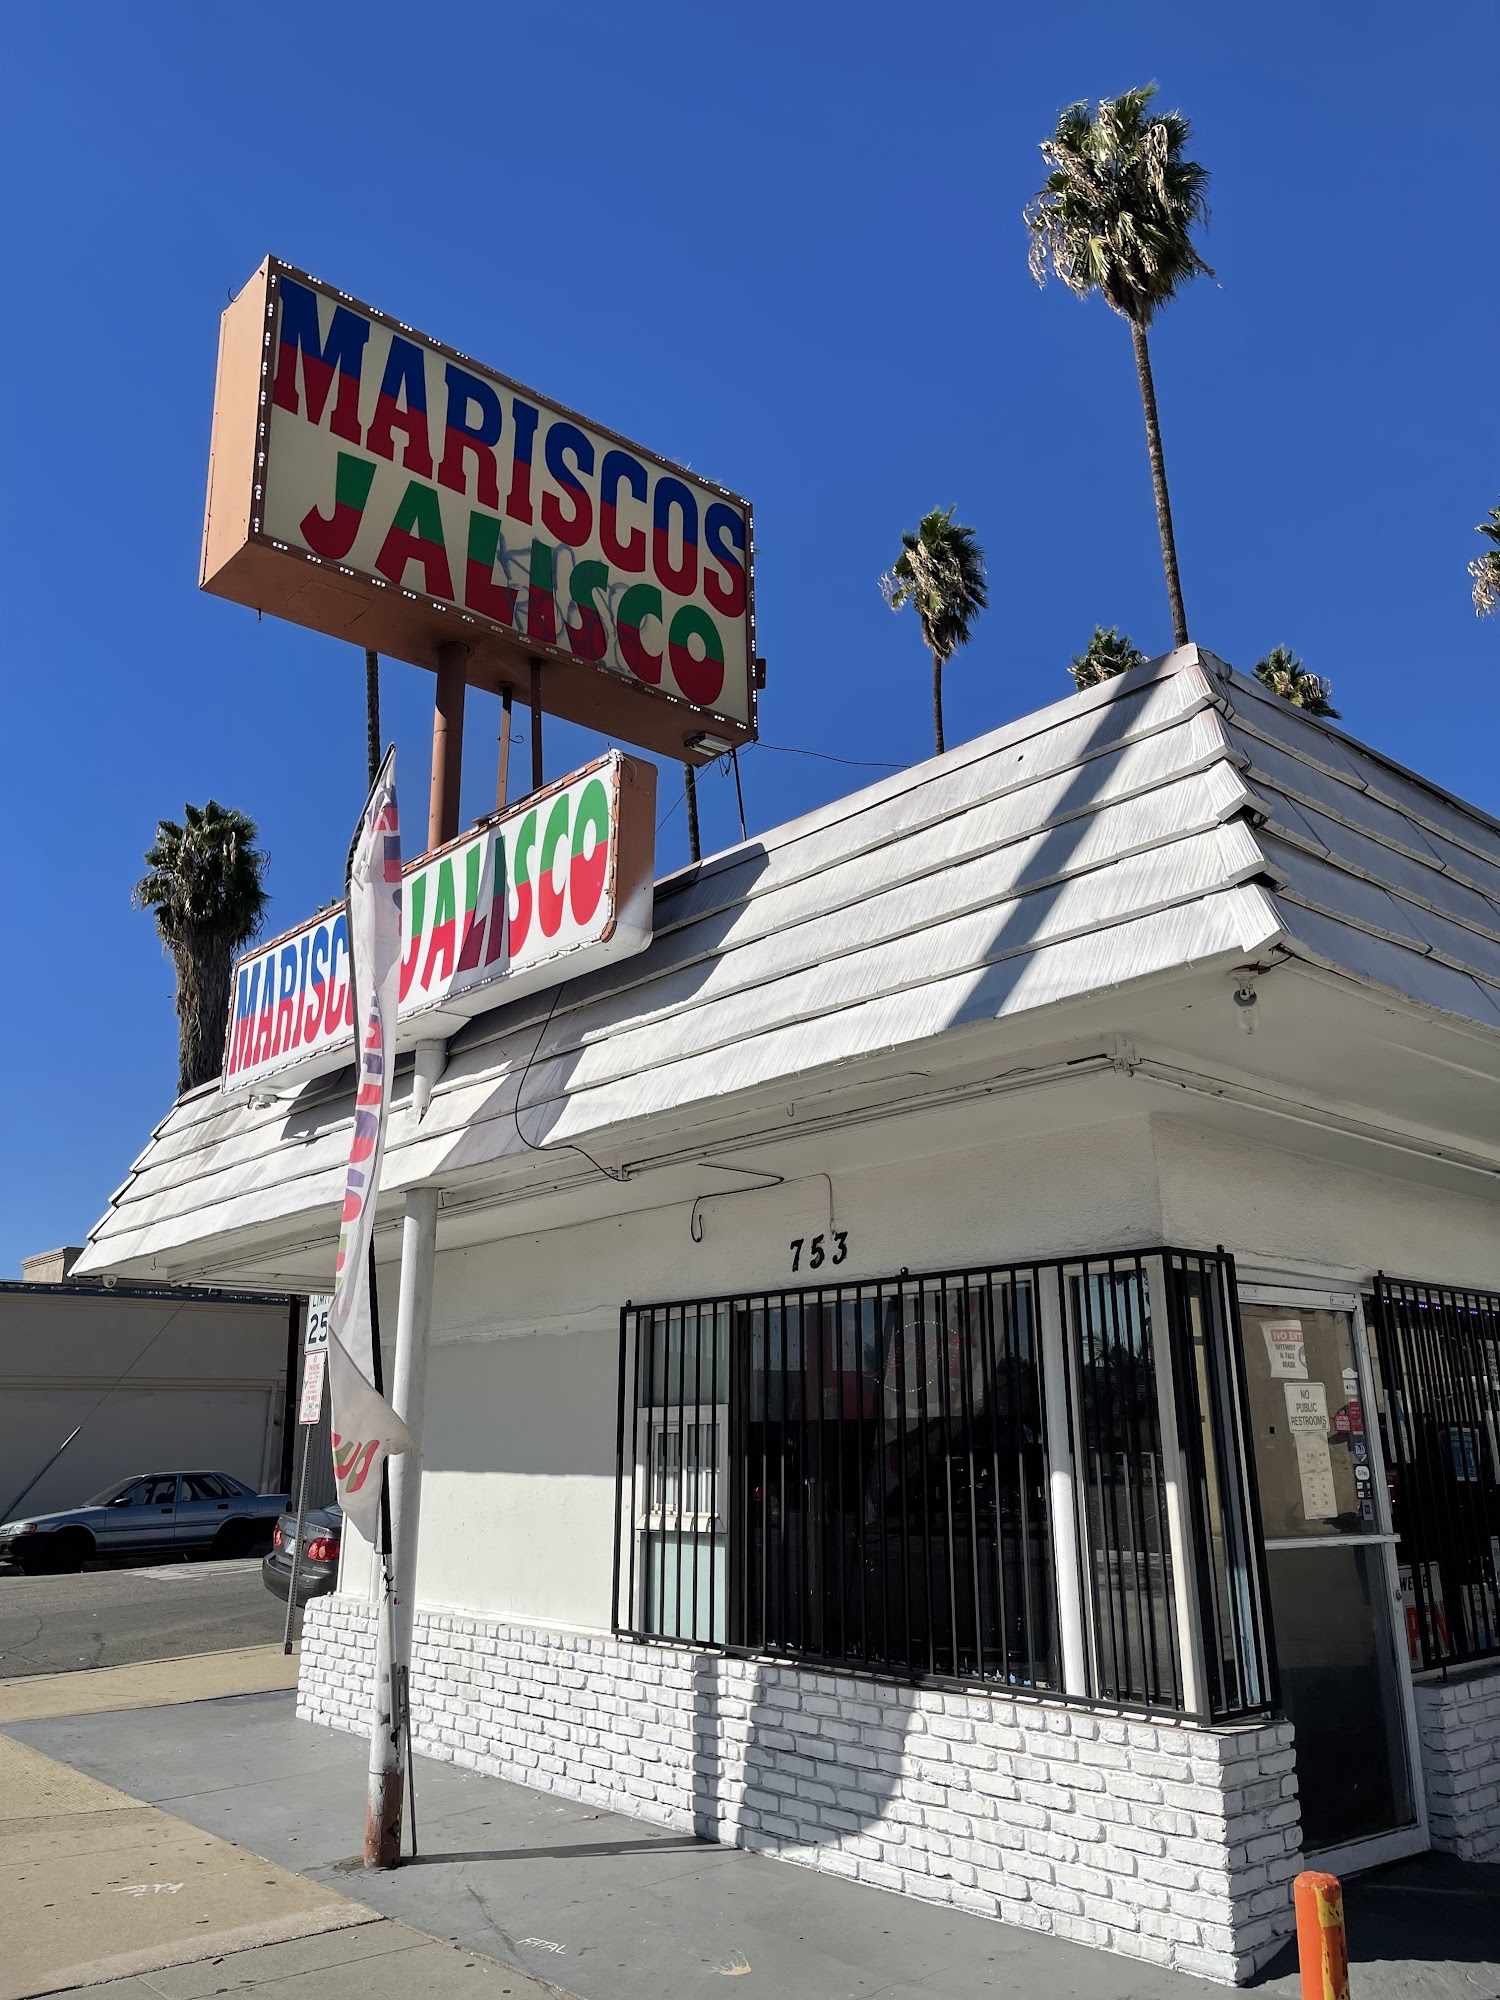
x: 110, y: 1617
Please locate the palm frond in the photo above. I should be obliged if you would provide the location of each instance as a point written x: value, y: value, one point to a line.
x: 940, y: 573
x: 1108, y: 653
x: 1117, y: 210
x: 1485, y: 569
x: 1284, y: 674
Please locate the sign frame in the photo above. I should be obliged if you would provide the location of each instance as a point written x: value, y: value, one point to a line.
x: 241, y: 561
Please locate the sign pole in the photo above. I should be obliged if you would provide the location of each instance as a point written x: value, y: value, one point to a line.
x: 502, y: 776
x: 314, y: 1366
x: 291, y: 1593
x: 390, y: 1721
x: 447, y: 742
x: 536, y: 725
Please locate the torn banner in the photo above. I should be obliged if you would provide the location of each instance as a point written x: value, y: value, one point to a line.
x: 364, y: 1427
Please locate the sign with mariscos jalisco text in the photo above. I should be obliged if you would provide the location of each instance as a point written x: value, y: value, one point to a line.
x: 557, y: 886
x: 375, y: 485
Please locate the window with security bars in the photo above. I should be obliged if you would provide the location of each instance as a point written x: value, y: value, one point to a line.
x: 882, y: 1500
x: 1437, y: 1392
x: 859, y: 1475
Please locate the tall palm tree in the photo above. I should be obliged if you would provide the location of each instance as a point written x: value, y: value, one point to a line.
x: 1109, y: 653
x: 1116, y: 216
x: 690, y: 790
x: 205, y: 883
x: 1284, y: 674
x: 1485, y: 569
x: 940, y: 573
x: 373, y: 751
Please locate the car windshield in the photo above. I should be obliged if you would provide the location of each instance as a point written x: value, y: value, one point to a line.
x: 111, y: 1492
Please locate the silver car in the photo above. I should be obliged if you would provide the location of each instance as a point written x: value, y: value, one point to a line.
x: 166, y: 1513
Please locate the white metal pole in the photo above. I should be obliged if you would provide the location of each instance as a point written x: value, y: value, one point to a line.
x: 394, y: 1625
x: 1061, y: 1487
x: 1179, y: 1521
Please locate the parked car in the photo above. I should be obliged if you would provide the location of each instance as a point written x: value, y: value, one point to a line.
x: 167, y: 1513
x: 318, y: 1568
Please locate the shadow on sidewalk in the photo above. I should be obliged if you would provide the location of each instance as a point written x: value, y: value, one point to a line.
x: 1428, y: 1908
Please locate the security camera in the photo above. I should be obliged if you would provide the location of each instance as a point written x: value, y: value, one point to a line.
x: 1247, y: 1004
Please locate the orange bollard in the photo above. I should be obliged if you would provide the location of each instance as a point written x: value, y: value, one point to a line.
x: 1322, y: 1949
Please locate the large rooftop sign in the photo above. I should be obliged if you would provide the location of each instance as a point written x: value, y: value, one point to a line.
x: 560, y: 884
x: 376, y: 486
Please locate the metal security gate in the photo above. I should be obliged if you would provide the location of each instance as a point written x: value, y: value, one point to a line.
x: 1438, y: 1396
x: 1035, y: 1475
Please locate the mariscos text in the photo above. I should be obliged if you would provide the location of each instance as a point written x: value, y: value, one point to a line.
x: 442, y: 480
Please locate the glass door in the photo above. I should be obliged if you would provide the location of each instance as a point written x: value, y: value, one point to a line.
x: 1332, y: 1580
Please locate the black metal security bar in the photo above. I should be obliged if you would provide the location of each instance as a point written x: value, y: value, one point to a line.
x: 1438, y: 1352
x: 858, y: 1475
x: 1127, y: 1545
x: 1213, y: 1418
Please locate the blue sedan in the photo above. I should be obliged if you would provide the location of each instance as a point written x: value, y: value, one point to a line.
x: 166, y: 1513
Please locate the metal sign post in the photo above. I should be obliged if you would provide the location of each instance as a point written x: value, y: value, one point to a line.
x: 314, y: 1367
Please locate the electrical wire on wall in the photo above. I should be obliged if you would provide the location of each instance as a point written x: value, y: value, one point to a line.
x: 620, y: 1174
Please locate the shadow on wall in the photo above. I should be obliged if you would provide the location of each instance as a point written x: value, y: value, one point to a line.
x: 761, y: 1780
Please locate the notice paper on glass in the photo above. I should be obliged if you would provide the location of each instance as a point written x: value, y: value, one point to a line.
x: 1285, y: 1347
x: 1315, y: 1470
x: 1307, y: 1409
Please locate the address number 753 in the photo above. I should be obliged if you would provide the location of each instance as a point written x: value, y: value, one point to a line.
x: 818, y: 1253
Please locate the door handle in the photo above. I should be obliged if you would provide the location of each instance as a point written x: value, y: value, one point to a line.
x: 165, y: 1510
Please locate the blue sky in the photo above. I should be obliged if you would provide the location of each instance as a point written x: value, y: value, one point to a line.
x: 783, y: 245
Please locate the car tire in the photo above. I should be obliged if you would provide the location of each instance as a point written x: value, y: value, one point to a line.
x: 232, y: 1541
x: 61, y: 1554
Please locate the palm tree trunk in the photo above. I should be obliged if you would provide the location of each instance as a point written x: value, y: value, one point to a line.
x: 205, y: 972
x: 690, y: 786
x: 372, y: 713
x: 937, y: 702
x: 1159, y: 484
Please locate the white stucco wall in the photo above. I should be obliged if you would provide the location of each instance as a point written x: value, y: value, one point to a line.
x: 1267, y: 1204
x: 518, y: 1499
x: 518, y: 1504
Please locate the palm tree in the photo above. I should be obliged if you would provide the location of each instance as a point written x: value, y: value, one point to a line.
x: 1116, y: 216
x: 205, y: 882
x: 1485, y: 569
x: 690, y: 789
x: 1284, y: 674
x: 1109, y: 653
x: 373, y: 751
x: 940, y: 573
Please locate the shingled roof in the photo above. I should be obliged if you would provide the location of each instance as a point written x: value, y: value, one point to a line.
x: 1176, y: 817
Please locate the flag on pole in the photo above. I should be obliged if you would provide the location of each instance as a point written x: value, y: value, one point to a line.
x: 364, y: 1427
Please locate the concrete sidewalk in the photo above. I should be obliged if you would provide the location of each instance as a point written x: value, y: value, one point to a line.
x: 95, y: 1886
x: 148, y: 1684
x: 611, y: 1909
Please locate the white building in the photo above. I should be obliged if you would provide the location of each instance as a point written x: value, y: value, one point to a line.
x: 907, y: 1347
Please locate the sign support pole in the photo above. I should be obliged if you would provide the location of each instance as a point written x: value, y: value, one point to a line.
x: 291, y: 1593
x: 314, y: 1349
x: 536, y: 725
x: 502, y: 776
x: 390, y: 1721
x: 447, y: 742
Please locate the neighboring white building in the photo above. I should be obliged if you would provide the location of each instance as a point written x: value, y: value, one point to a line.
x: 907, y: 1346
x: 158, y: 1378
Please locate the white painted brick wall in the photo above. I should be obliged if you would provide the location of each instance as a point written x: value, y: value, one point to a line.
x: 1151, y: 1838
x: 1459, y: 1724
